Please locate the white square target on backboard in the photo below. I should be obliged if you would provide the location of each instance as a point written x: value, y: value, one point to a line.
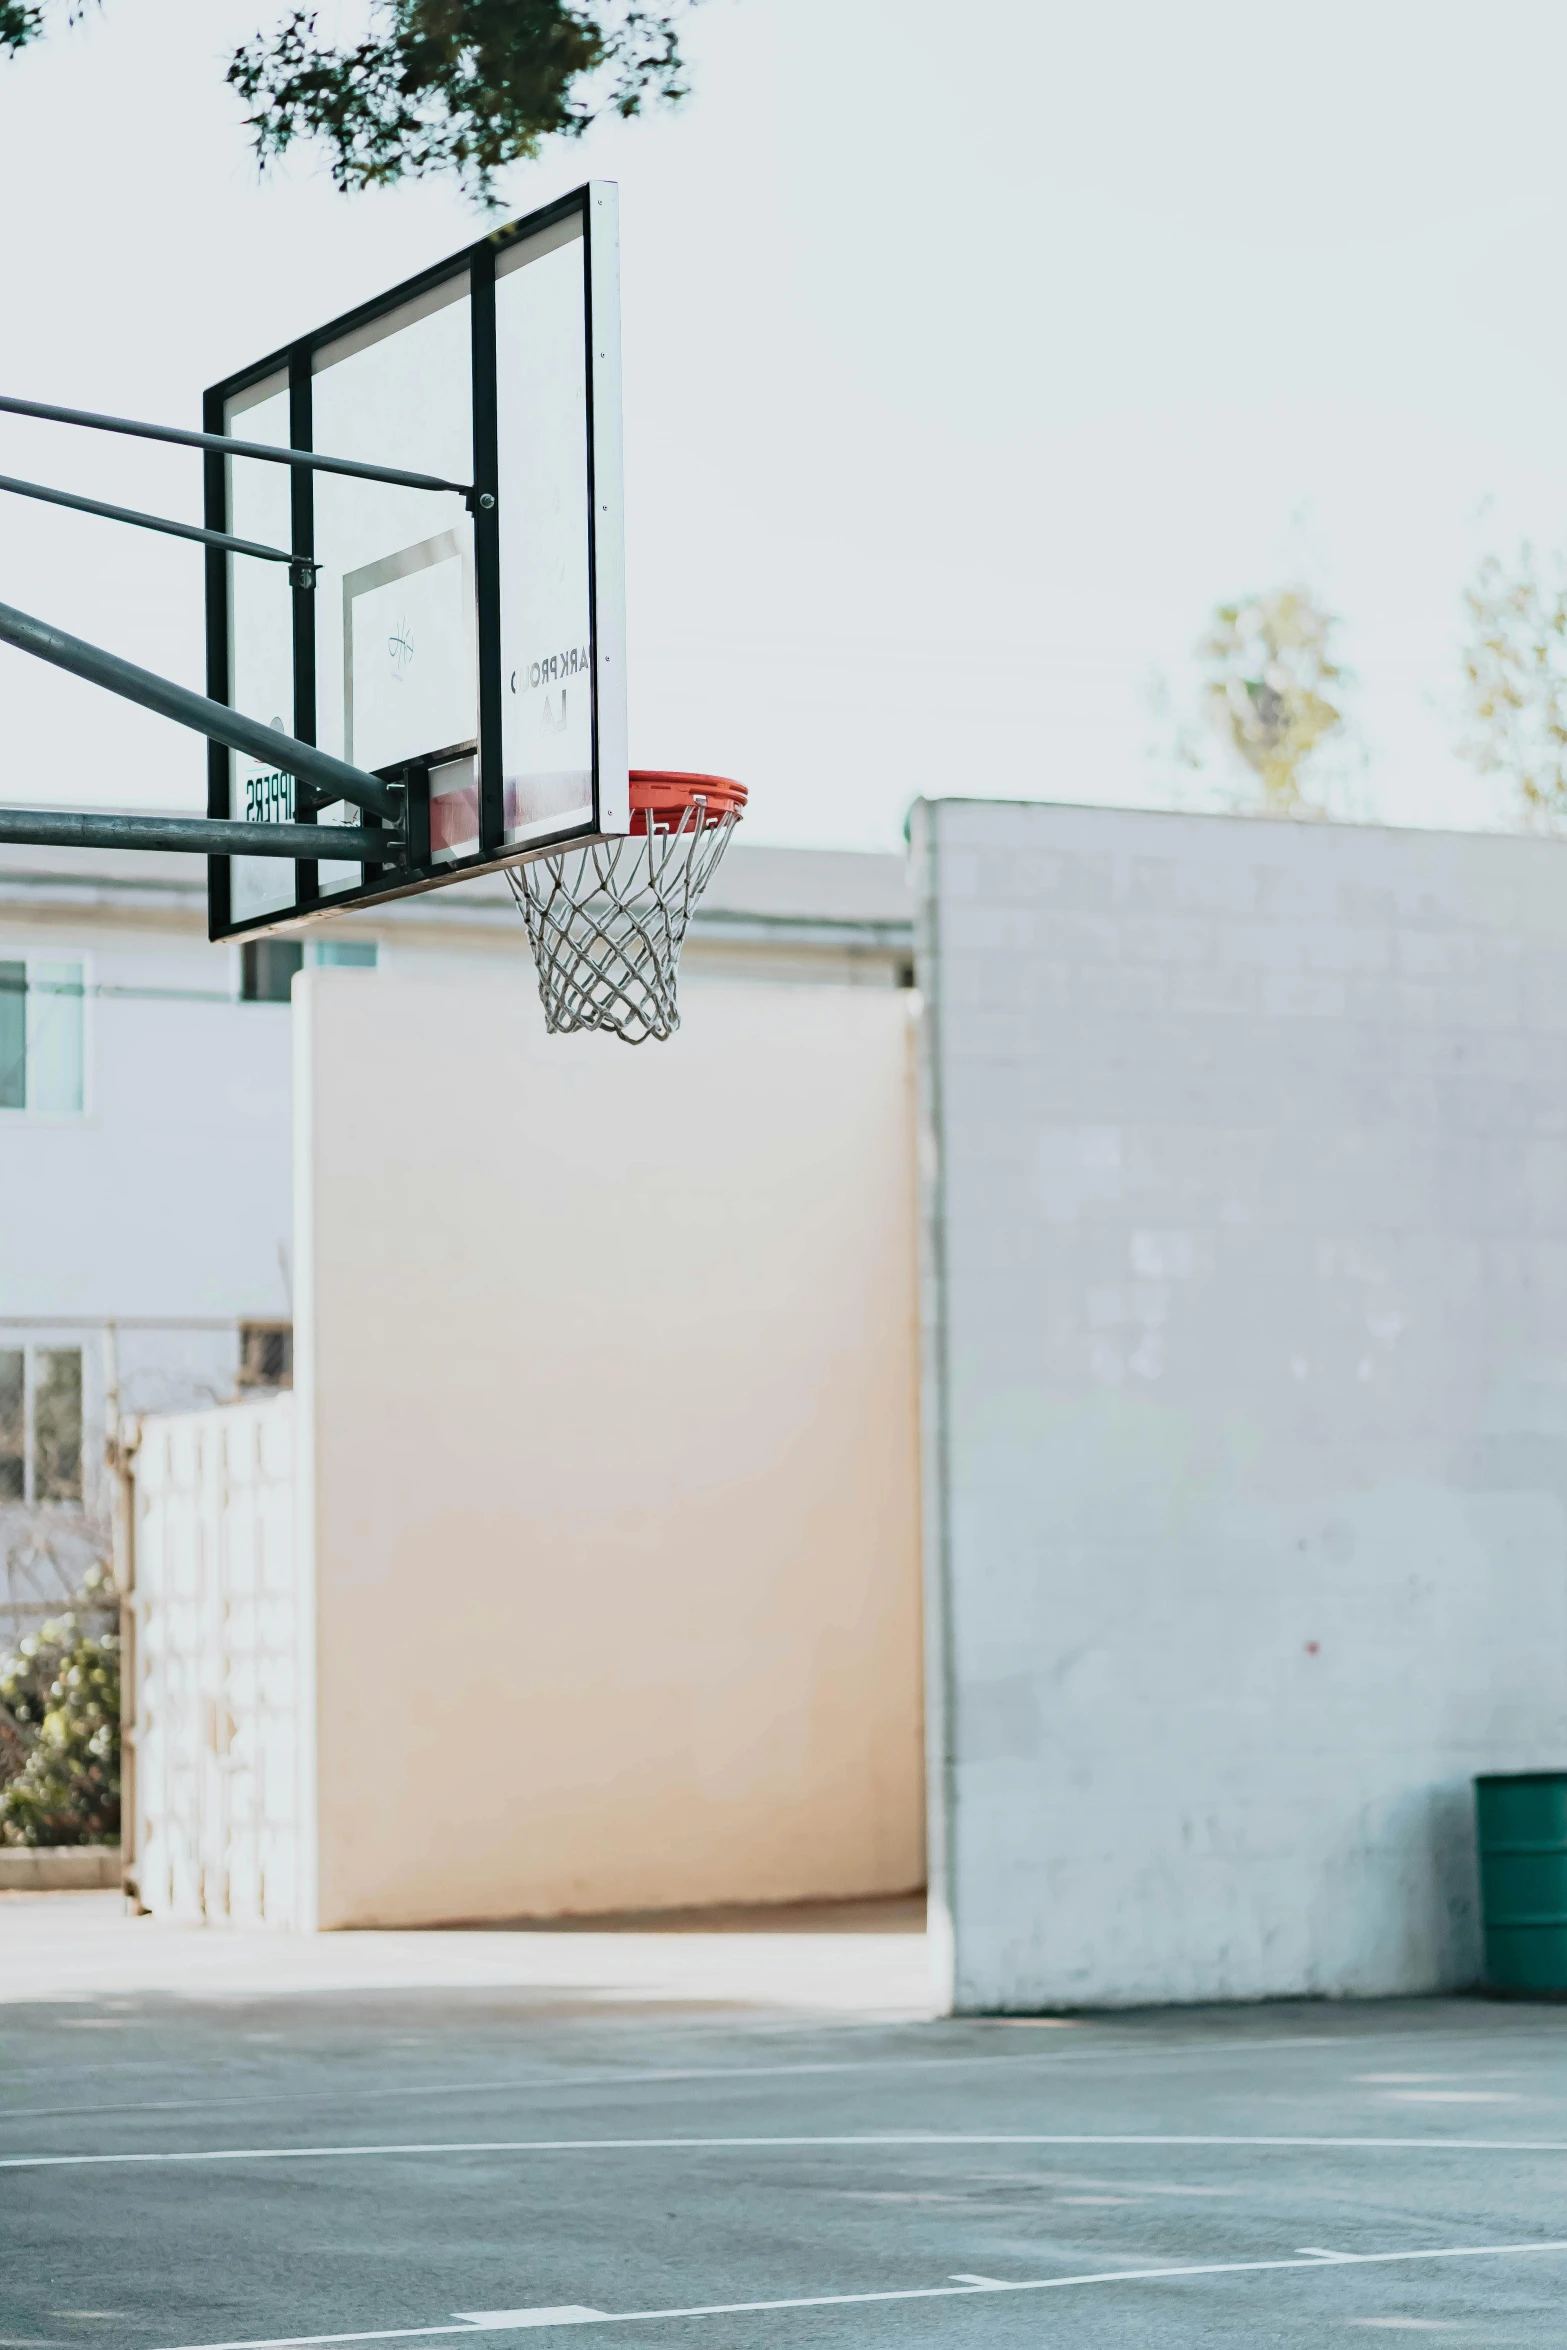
x: 457, y: 622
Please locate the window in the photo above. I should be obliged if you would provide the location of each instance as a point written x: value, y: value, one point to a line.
x: 13, y: 1036
x: 42, y: 1041
x: 57, y: 1424
x: 267, y: 967
x: 266, y: 1354
x: 345, y: 954
x: 13, y: 1424
x: 40, y: 1423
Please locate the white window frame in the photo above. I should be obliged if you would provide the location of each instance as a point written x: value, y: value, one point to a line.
x: 28, y: 952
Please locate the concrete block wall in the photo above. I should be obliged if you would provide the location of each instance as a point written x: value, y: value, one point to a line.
x: 1245, y: 1152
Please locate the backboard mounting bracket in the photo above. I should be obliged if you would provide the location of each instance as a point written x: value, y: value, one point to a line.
x: 200, y: 836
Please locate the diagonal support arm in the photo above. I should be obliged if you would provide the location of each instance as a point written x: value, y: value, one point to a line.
x: 333, y: 778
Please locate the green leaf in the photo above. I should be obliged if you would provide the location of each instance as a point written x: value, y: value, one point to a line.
x: 459, y: 86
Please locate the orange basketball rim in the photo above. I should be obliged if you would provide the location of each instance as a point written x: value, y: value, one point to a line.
x: 660, y: 798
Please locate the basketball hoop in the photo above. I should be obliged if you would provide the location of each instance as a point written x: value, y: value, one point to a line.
x: 606, y: 922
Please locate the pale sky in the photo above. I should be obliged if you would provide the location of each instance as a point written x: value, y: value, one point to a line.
x: 960, y: 382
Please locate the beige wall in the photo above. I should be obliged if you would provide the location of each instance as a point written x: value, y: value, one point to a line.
x: 606, y: 1368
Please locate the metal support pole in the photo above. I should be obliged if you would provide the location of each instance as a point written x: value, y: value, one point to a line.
x: 140, y: 521
x: 333, y: 778
x: 314, y: 463
x: 198, y: 836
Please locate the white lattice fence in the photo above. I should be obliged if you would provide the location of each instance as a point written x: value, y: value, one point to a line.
x: 217, y: 1666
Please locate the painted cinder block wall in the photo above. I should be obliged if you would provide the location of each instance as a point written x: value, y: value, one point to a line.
x: 1245, y: 1297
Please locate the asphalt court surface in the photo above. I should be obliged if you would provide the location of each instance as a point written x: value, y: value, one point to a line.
x: 428, y: 2163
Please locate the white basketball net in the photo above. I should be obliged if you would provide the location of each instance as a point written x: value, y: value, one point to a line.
x: 606, y: 923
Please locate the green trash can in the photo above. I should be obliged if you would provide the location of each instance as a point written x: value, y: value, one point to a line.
x: 1522, y: 1820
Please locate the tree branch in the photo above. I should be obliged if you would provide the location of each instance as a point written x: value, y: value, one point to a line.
x: 466, y: 86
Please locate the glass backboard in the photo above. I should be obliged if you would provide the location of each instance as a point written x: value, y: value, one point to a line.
x: 465, y: 640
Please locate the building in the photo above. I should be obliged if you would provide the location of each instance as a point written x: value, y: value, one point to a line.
x: 146, y: 1254
x: 1242, y: 1340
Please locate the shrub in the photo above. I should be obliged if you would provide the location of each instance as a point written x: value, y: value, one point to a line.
x: 60, y: 1736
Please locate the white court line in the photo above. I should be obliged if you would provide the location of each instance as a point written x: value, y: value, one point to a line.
x: 952, y: 2292
x: 917, y: 2138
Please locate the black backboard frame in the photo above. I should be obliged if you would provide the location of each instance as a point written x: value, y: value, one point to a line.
x: 595, y: 203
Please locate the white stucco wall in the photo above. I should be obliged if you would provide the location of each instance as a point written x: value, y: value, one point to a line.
x: 606, y: 1389
x: 1246, y: 1392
